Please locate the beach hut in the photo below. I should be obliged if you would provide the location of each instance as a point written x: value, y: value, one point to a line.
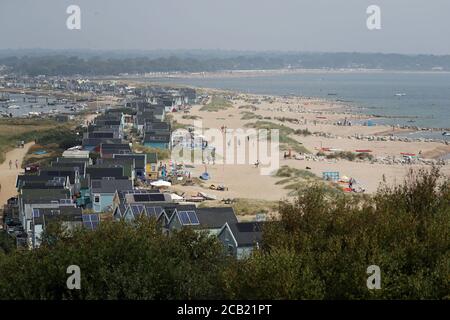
x: 330, y: 175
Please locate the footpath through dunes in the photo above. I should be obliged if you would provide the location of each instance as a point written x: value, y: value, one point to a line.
x: 8, y: 176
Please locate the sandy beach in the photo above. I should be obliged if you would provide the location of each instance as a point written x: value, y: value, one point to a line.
x: 318, y: 117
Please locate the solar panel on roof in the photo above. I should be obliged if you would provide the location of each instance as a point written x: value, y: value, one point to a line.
x: 90, y: 221
x: 137, y: 209
x: 184, y: 218
x: 141, y: 197
x: 193, y: 217
x: 153, y: 211
x: 149, y: 197
x: 150, y: 210
x: 156, y: 197
x: 188, y: 217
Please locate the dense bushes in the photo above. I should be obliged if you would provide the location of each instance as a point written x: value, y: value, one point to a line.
x: 7, y: 242
x: 118, y: 261
x: 320, y: 248
x: 62, y: 135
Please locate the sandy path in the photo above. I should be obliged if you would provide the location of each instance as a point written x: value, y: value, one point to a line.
x: 8, y: 176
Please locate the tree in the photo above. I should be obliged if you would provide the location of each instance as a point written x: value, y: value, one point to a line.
x: 7, y: 243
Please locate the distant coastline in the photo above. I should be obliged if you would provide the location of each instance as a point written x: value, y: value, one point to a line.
x: 415, y: 99
x: 271, y: 72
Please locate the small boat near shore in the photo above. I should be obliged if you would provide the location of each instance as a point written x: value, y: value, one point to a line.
x: 4, y: 97
x: 446, y: 134
x: 14, y: 106
x: 401, y: 94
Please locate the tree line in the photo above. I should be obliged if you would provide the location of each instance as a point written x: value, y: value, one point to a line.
x: 65, y: 64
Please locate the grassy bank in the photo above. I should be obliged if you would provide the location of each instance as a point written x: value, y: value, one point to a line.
x: 43, y: 131
x: 285, y: 140
x: 12, y: 131
x: 217, y: 103
x: 299, y: 180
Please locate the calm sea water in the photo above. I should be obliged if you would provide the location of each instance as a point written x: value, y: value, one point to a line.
x: 21, y: 104
x: 426, y: 102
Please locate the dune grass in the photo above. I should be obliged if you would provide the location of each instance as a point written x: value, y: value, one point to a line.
x: 217, y: 103
x: 247, y: 115
x: 190, y: 117
x: 300, y: 180
x: 286, y: 142
x: 12, y: 131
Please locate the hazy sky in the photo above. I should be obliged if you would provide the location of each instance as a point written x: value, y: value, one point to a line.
x: 408, y: 26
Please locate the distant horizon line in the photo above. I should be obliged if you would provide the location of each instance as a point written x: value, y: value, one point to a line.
x: 241, y: 51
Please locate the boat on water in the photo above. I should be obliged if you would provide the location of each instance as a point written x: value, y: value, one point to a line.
x: 4, y: 97
x: 401, y: 94
x: 14, y: 106
x: 446, y: 134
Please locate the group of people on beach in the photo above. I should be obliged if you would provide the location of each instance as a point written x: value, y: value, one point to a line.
x: 11, y: 163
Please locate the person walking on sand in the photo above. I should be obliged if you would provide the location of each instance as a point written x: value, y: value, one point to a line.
x: 10, y: 164
x: 17, y: 164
